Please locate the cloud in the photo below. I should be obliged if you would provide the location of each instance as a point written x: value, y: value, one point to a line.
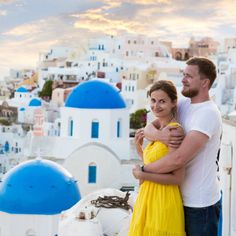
x: 141, y: 2
x: 7, y: 1
x: 175, y: 21
x: 24, y: 30
x: 20, y: 47
x: 96, y: 22
x: 28, y: 29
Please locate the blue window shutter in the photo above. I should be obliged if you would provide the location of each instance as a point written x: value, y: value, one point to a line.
x: 92, y: 174
x: 118, y: 129
x: 71, y: 127
x: 6, y: 147
x: 95, y: 129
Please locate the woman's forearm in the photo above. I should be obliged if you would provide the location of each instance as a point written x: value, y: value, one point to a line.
x: 151, y: 133
x: 139, y: 150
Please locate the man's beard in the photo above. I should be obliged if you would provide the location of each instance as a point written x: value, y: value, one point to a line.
x: 190, y: 93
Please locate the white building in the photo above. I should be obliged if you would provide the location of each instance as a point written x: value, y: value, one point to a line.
x: 228, y: 177
x: 224, y: 92
x: 91, y: 137
x: 11, y: 147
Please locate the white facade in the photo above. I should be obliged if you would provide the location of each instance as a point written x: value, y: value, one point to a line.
x: 12, y: 143
x: 23, y: 97
x: 28, y: 225
x: 113, y: 130
x: 228, y: 177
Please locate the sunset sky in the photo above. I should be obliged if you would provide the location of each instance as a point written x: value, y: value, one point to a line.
x: 28, y: 27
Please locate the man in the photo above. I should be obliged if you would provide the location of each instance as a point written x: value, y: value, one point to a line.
x: 202, y: 124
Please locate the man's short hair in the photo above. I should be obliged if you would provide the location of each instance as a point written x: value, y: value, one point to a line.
x: 207, y: 68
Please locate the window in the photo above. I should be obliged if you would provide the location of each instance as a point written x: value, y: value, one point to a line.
x: 92, y: 173
x: 95, y: 129
x: 6, y: 146
x: 71, y: 128
x: 118, y: 127
x: 59, y: 128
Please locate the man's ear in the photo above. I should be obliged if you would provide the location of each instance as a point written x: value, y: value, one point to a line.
x: 206, y: 83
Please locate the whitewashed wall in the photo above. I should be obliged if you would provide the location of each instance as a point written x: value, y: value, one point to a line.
x: 228, y: 177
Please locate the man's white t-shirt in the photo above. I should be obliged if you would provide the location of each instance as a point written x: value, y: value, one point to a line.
x: 200, y: 187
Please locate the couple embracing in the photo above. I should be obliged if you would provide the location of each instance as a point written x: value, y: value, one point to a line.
x: 179, y: 193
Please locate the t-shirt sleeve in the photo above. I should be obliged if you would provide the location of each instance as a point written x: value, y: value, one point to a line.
x: 206, y: 122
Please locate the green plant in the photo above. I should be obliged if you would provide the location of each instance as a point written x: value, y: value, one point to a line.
x: 47, y: 90
x: 138, y: 119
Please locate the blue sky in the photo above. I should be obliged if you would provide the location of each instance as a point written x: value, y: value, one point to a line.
x: 28, y: 27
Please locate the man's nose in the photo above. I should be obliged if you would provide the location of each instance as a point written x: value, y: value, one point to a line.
x: 184, y: 79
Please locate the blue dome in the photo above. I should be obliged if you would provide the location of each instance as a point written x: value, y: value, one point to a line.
x: 22, y: 90
x: 22, y: 109
x: 35, y: 103
x: 38, y: 187
x: 95, y: 94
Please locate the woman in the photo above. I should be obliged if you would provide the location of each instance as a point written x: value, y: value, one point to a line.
x: 158, y: 210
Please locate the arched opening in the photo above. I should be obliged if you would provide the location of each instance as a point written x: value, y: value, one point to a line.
x: 186, y: 56
x: 178, y: 56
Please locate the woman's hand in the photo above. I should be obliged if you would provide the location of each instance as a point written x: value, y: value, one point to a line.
x: 138, y: 139
x: 139, y: 136
x: 137, y: 172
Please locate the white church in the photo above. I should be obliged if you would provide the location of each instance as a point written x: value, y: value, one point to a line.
x: 90, y: 139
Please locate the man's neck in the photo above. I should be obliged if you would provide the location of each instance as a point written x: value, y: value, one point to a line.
x: 200, y: 99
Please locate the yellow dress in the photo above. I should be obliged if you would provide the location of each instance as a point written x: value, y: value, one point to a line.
x: 158, y: 210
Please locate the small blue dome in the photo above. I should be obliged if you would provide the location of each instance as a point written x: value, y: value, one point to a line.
x: 35, y: 103
x: 38, y: 187
x: 22, y: 109
x: 22, y: 90
x: 95, y: 94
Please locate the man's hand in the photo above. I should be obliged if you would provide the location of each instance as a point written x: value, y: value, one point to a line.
x: 172, y: 136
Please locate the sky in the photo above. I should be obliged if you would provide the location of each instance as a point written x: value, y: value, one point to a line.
x: 30, y: 27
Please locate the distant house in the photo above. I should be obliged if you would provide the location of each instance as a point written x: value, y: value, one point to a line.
x: 7, y: 112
